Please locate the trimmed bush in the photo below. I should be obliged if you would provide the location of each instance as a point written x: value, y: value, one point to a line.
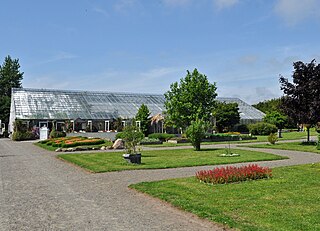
x: 150, y: 141
x: 242, y: 128
x: 231, y: 174
x: 221, y: 137
x: 19, y: 136
x: 273, y: 138
x: 161, y: 136
x: 57, y: 134
x: 262, y: 128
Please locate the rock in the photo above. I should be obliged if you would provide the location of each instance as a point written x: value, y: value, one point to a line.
x: 103, y: 148
x: 118, y: 144
x: 58, y: 150
x: 70, y: 149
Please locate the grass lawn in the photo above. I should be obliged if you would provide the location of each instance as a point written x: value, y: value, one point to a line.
x: 113, y: 161
x: 296, y: 146
x: 286, y: 136
x: 288, y: 201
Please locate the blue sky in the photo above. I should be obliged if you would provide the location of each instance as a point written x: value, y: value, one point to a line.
x: 145, y: 45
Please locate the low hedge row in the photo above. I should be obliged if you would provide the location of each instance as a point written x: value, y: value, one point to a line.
x: 161, y: 136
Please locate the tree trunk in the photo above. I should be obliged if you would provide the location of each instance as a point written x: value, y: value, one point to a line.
x: 308, y: 134
x: 279, y: 133
x: 197, y: 147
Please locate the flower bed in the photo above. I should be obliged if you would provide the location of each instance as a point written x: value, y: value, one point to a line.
x: 67, y: 142
x: 231, y: 174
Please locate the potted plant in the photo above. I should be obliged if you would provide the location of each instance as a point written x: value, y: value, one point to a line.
x: 132, y: 136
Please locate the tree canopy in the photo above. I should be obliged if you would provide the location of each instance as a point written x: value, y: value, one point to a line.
x: 143, y: 116
x: 277, y: 119
x: 191, y: 99
x: 10, y: 77
x: 269, y: 105
x: 301, y: 100
x: 227, y: 115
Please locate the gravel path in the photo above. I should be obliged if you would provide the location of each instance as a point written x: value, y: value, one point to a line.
x: 40, y: 192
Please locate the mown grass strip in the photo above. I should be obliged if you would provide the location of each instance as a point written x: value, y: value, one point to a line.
x: 156, y: 159
x: 289, y: 201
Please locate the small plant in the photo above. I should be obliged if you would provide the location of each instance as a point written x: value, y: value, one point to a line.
x: 132, y: 136
x: 231, y: 174
x: 273, y: 138
x: 196, y: 132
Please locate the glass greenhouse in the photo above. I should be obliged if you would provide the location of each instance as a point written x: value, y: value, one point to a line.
x: 40, y: 107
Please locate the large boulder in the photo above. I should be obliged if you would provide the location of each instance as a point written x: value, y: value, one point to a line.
x: 118, y: 144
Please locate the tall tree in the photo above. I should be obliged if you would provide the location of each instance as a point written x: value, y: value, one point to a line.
x: 227, y: 115
x: 10, y: 77
x: 301, y: 100
x: 277, y: 119
x: 191, y: 99
x: 143, y: 116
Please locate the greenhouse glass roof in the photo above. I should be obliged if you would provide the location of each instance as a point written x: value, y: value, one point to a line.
x: 90, y: 105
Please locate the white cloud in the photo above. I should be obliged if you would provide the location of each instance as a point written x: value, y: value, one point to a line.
x: 294, y: 11
x: 100, y: 10
x: 222, y: 4
x: 177, y: 3
x: 124, y: 5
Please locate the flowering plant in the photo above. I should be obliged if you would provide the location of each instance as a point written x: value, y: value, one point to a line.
x: 231, y: 174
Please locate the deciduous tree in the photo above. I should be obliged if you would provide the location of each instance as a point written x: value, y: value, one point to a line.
x: 301, y: 100
x: 227, y: 115
x: 191, y: 99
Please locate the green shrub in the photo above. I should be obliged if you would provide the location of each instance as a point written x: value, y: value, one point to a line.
x: 57, y: 134
x: 132, y: 137
x: 19, y: 136
x: 242, y: 128
x: 221, y: 137
x: 161, y: 136
x: 272, y: 138
x: 262, y: 128
x: 147, y: 141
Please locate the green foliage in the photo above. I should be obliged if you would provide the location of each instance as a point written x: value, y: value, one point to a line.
x: 301, y: 97
x: 19, y: 126
x: 267, y: 106
x: 272, y: 138
x: 57, y: 134
x: 242, y: 128
x: 196, y: 132
x: 227, y: 115
x: 143, y: 116
x: 119, y: 135
x: 262, y: 128
x: 10, y: 77
x: 193, y: 98
x: 132, y: 136
x: 276, y: 118
x: 161, y: 136
x: 22, y: 135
